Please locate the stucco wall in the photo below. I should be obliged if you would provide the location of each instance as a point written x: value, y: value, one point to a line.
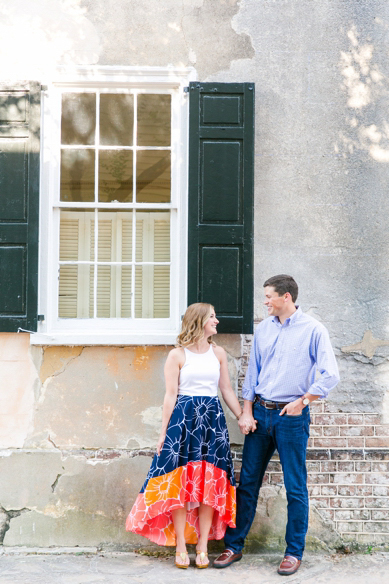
x: 322, y: 153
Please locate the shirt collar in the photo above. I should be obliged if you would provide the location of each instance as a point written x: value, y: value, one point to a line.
x: 291, y: 319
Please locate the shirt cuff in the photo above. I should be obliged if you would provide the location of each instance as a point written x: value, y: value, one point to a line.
x: 248, y: 394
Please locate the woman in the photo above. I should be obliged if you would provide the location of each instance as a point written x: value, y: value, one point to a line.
x: 189, y: 492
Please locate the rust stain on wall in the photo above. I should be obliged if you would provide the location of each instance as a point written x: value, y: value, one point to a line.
x: 55, y: 360
x: 142, y: 359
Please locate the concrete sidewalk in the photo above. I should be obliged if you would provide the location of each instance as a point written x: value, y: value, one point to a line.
x: 92, y: 567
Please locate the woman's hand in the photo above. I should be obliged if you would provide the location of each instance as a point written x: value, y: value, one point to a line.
x: 160, y: 442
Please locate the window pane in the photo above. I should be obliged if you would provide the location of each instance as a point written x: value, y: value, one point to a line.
x: 75, y: 233
x: 153, y: 176
x: 78, y: 120
x: 75, y: 291
x: 78, y: 175
x: 116, y: 119
x: 152, y: 291
x: 105, y: 287
x: 154, y: 120
x: 115, y: 176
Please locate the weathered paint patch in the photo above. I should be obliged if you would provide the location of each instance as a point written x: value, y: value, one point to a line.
x: 367, y: 346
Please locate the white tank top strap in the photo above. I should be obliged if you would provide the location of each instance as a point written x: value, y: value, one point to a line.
x: 200, y: 374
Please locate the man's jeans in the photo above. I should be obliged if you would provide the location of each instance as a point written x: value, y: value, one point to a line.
x: 289, y: 435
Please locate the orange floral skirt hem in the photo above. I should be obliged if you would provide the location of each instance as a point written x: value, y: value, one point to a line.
x: 196, y: 482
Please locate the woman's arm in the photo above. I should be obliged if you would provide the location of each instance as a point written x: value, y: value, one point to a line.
x: 172, y: 372
x: 225, y: 383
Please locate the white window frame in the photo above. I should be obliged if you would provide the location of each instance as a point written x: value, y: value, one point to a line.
x: 112, y: 331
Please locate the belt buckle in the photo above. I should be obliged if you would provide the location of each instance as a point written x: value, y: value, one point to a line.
x: 271, y: 407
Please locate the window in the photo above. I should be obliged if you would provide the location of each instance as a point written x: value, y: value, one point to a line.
x: 113, y: 202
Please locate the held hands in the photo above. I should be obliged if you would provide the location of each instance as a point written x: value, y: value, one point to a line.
x: 160, y: 442
x: 294, y: 408
x: 247, y: 423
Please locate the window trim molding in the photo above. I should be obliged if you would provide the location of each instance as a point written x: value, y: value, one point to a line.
x: 112, y: 331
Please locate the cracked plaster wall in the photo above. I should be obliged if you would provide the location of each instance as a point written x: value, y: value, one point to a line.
x: 321, y: 71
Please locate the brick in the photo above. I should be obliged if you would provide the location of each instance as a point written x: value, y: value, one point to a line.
x: 318, y: 454
x: 274, y: 466
x: 356, y: 442
x: 362, y: 466
x: 356, y: 431
x: 373, y: 419
x: 356, y: 454
x: 377, y: 502
x: 377, y: 527
x: 327, y: 513
x: 319, y: 502
x: 314, y: 490
x: 380, y: 491
x: 346, y: 490
x: 276, y: 478
x: 382, y: 430
x: 381, y: 466
x: 330, y: 490
x: 310, y: 443
x: 330, y: 430
x: 361, y: 514
x: 349, y: 526
x: 377, y: 478
x: 365, y: 538
x: 331, y: 419
x: 339, y: 454
x: 316, y: 431
x: 347, y: 478
x: 328, y: 466
x: 317, y: 406
x: 313, y: 466
x: 377, y: 442
x: 330, y: 442
x: 380, y: 514
x: 377, y: 454
x: 347, y: 502
x: 355, y: 419
x: 318, y: 478
x: 343, y: 514
x: 363, y: 490
x: 265, y: 480
x: 346, y: 466
x: 381, y: 538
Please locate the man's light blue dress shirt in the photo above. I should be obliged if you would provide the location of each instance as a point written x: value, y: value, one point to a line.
x: 285, y: 358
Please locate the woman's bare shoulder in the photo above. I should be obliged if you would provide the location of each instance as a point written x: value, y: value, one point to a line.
x: 219, y: 352
x: 177, y: 355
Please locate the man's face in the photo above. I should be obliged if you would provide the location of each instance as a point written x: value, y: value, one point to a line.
x: 275, y: 303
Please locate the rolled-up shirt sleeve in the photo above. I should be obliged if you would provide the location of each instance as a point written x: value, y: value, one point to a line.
x: 253, y: 370
x: 326, y: 364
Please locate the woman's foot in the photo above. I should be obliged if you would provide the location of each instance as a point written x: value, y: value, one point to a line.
x: 182, y: 559
x: 202, y: 560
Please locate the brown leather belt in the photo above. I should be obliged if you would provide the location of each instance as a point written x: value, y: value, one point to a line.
x: 269, y: 405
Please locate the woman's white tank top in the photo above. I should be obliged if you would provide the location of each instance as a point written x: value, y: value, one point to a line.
x: 200, y: 374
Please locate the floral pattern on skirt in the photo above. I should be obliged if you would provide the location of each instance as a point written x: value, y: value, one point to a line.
x: 194, y: 466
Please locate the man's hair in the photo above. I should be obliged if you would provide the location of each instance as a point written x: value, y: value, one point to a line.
x: 283, y: 284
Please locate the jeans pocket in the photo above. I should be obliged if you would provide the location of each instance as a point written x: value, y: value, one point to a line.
x: 296, y: 416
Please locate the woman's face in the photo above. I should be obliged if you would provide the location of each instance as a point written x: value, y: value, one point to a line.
x: 210, y: 325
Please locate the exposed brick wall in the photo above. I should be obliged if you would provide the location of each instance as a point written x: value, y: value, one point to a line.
x: 348, y: 469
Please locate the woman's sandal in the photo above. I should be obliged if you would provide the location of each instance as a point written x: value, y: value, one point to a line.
x: 201, y: 556
x: 182, y: 556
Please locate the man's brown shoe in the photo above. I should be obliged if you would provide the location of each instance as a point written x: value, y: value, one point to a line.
x: 226, y: 559
x: 289, y: 565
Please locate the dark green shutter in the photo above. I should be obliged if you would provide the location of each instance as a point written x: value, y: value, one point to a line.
x: 220, y: 230
x: 19, y: 205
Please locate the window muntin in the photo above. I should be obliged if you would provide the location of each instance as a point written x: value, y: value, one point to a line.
x: 114, y: 254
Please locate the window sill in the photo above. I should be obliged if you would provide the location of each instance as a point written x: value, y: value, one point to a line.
x: 120, y: 338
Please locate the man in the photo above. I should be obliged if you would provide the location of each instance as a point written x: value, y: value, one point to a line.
x: 289, y: 348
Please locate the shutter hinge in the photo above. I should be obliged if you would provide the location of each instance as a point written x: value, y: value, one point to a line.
x: 44, y: 87
x: 186, y: 90
x: 41, y: 317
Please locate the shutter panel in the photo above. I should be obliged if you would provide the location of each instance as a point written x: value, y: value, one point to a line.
x: 161, y: 273
x: 68, y: 282
x: 220, y: 222
x: 19, y: 206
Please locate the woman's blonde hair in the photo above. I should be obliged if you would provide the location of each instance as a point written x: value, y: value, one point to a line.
x: 193, y: 322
